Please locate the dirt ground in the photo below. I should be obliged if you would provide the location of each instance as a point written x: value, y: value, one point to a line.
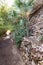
x: 9, y: 54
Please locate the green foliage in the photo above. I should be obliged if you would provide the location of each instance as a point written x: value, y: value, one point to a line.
x: 41, y: 38
x: 19, y: 35
x: 15, y: 18
x: 20, y: 31
x: 21, y: 27
x: 5, y: 21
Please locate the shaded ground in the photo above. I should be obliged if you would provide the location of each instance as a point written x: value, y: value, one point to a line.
x: 9, y: 54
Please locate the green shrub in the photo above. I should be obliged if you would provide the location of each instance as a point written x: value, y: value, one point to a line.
x: 22, y: 7
x: 20, y: 32
x: 15, y: 19
x: 41, y: 38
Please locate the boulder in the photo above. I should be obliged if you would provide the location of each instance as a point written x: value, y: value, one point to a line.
x: 37, y: 16
x: 36, y: 5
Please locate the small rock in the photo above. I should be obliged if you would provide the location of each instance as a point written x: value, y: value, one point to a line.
x: 41, y: 62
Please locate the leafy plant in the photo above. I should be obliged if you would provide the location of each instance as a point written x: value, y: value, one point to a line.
x: 20, y: 32
x: 41, y: 38
x: 16, y: 19
x: 5, y: 21
x: 22, y: 7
